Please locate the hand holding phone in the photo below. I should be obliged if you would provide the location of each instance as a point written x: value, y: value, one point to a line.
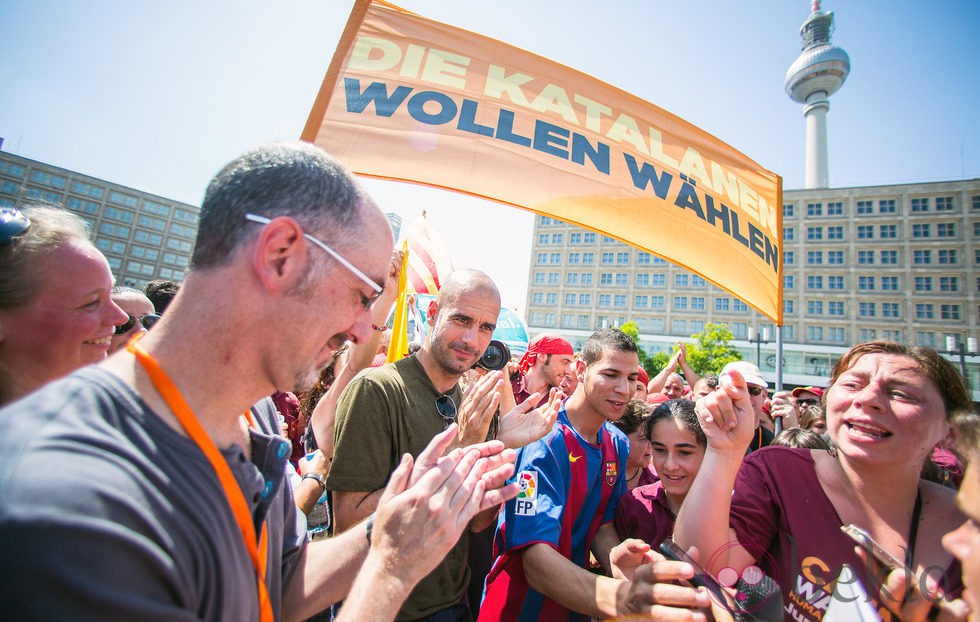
x: 701, y: 578
x: 863, y: 539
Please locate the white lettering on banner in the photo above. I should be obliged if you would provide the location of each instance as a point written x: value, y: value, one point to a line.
x: 441, y: 67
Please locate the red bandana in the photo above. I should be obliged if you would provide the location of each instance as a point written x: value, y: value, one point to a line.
x: 547, y: 343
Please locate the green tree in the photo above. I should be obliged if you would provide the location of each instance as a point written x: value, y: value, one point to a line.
x: 708, y: 354
x: 712, y: 349
x: 657, y: 362
x: 632, y: 329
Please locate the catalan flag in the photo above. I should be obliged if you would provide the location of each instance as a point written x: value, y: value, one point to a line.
x: 429, y: 260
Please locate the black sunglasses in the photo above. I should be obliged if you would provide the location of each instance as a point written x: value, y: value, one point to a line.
x: 13, y: 222
x: 147, y: 320
x: 446, y: 408
x: 807, y: 402
x: 754, y: 390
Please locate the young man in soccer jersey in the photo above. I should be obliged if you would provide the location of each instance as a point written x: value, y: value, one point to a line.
x: 570, y: 483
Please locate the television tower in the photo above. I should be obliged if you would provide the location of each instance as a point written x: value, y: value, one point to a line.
x: 814, y: 76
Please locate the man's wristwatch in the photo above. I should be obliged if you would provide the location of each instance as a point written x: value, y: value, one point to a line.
x: 319, y: 479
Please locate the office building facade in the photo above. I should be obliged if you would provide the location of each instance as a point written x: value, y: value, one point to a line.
x: 144, y: 236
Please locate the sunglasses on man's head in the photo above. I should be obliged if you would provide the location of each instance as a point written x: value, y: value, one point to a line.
x: 147, y: 320
x: 807, y: 402
x: 13, y: 222
x: 446, y: 408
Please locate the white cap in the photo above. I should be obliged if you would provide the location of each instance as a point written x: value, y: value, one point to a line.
x: 749, y: 371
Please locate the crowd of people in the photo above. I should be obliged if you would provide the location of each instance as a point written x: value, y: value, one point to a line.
x: 238, y: 448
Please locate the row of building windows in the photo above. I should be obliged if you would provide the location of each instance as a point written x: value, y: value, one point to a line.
x: 813, y: 258
x: 55, y: 181
x: 884, y: 206
x: 107, y: 245
x: 888, y: 283
x: 588, y: 258
x: 134, y: 231
x: 82, y: 188
x: 16, y: 170
x: 813, y: 234
x: 923, y: 256
x: 90, y: 191
x: 39, y: 194
x: 681, y: 326
x: 866, y: 309
x: 885, y: 232
x: 835, y: 208
x: 640, y: 301
x: 658, y: 279
x: 164, y: 210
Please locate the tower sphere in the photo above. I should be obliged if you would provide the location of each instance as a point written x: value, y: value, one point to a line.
x: 821, y: 67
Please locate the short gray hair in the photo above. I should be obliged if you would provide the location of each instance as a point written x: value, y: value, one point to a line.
x: 283, y: 179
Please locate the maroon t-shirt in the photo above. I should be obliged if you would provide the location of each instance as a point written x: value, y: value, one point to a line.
x: 644, y: 513
x: 648, y: 476
x: 521, y: 393
x: 782, y: 516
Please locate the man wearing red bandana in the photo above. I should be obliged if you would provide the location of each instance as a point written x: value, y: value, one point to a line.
x: 548, y: 358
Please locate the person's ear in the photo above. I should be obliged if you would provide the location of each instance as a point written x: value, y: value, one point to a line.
x: 280, y: 257
x: 946, y: 442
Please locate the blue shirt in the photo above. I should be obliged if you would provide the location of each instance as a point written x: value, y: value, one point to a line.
x: 569, y: 487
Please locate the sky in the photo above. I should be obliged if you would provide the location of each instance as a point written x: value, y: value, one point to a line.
x: 160, y: 95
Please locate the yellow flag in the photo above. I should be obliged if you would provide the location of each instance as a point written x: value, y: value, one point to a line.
x: 398, y: 348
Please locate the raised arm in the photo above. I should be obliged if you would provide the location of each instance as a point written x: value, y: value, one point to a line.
x: 728, y: 421
x: 657, y: 383
x: 690, y: 376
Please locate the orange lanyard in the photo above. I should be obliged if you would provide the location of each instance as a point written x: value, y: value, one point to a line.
x: 233, y: 493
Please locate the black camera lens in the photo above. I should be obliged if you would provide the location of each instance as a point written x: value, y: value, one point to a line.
x: 495, y: 357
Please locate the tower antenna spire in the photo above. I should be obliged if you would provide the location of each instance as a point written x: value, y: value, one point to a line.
x: 817, y: 73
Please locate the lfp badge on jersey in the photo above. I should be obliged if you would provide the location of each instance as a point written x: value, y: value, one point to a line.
x: 611, y: 473
x: 526, y: 502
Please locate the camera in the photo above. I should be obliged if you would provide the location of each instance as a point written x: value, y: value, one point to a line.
x: 495, y: 357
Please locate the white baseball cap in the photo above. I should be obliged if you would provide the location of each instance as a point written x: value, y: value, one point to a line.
x: 749, y: 371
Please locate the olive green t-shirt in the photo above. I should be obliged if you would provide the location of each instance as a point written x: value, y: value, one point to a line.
x: 384, y: 413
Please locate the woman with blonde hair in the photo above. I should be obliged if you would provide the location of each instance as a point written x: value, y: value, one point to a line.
x: 56, y: 313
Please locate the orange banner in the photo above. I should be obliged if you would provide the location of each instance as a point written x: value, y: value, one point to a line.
x: 410, y: 99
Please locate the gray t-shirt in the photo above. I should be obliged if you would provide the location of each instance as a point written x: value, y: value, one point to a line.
x: 108, y: 513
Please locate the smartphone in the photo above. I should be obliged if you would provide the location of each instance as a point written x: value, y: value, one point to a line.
x: 702, y: 577
x: 866, y: 542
